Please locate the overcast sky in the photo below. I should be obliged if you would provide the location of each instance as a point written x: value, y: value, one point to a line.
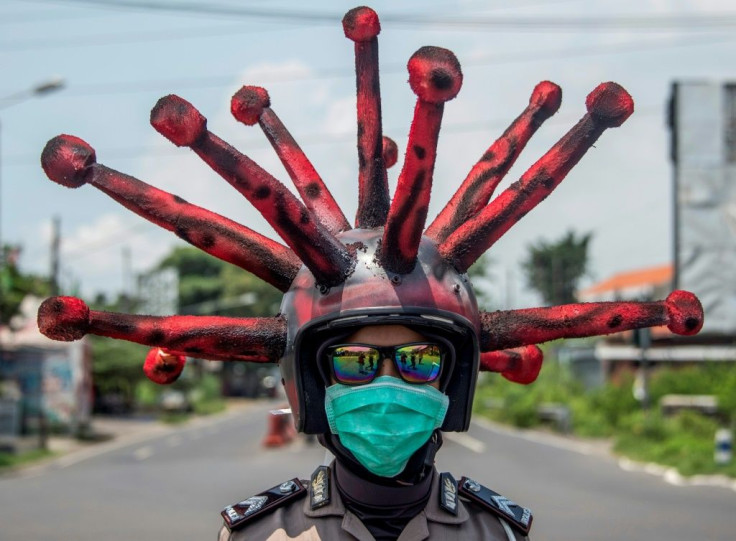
x: 118, y: 61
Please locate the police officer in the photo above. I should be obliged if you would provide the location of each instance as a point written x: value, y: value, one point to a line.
x: 387, y: 290
x: 384, y: 432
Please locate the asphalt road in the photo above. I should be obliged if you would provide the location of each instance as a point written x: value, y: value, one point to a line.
x: 173, y: 484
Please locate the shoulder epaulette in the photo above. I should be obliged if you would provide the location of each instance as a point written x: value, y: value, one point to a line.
x: 241, y: 513
x: 520, y: 518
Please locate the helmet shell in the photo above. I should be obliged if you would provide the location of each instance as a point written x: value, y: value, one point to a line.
x: 434, y: 298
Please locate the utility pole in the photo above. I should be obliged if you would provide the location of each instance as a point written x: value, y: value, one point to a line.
x: 55, y: 254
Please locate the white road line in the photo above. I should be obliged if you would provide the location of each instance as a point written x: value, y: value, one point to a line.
x: 173, y: 441
x: 142, y: 453
x: 673, y: 477
x: 466, y: 441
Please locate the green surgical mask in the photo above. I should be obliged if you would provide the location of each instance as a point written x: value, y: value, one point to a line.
x: 384, y: 422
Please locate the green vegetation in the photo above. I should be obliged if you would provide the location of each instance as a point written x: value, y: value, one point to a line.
x: 684, y: 440
x: 13, y: 460
x: 554, y: 269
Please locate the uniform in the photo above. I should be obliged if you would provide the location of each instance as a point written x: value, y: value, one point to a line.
x: 316, y: 511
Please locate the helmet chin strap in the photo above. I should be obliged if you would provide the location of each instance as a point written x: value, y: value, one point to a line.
x: 420, y: 464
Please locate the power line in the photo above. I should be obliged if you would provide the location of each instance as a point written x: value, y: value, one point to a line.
x: 537, y: 23
x: 220, y: 81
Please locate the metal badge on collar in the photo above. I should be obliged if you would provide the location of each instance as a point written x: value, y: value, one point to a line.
x: 250, y: 509
x: 319, y: 488
x: 520, y: 518
x: 448, y: 493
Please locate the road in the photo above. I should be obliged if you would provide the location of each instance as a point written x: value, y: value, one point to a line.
x: 173, y: 484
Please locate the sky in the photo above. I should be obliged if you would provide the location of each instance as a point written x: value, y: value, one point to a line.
x: 117, y: 57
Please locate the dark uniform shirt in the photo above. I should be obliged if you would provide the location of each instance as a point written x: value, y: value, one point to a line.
x: 297, y: 520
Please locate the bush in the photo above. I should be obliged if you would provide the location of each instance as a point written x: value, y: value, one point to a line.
x: 684, y: 441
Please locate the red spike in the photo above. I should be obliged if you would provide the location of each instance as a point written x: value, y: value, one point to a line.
x: 163, y: 367
x: 226, y: 358
x: 251, y: 104
x: 609, y: 105
x: 681, y: 312
x: 362, y: 26
x: 68, y: 318
x: 324, y: 255
x: 435, y: 77
x: 482, y: 180
x: 520, y: 365
x: 71, y: 162
x: 390, y: 152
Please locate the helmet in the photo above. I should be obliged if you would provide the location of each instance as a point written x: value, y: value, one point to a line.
x: 387, y: 268
x: 433, y: 298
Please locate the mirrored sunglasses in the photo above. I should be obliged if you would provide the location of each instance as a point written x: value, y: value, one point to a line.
x: 358, y: 364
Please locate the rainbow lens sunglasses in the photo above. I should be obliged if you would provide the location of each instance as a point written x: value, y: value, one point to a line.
x: 358, y: 364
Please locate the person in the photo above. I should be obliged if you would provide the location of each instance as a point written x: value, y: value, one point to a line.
x: 384, y: 287
x: 384, y: 433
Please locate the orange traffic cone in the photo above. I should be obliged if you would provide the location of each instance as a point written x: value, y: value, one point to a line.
x: 280, y: 428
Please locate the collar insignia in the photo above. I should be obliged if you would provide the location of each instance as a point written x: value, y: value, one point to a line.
x: 319, y: 488
x: 448, y: 493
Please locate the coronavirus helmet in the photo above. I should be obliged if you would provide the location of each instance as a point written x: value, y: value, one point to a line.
x: 387, y: 268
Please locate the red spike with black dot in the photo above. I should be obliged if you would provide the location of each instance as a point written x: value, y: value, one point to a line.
x: 71, y: 162
x: 361, y: 25
x: 252, y: 104
x: 69, y: 318
x: 681, y: 312
x: 324, y: 255
x: 163, y: 367
x: 520, y: 365
x: 478, y: 186
x: 435, y: 77
x: 609, y: 105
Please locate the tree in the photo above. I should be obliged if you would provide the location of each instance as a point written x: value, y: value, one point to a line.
x: 199, y: 275
x: 481, y: 275
x: 554, y: 268
x: 15, y: 285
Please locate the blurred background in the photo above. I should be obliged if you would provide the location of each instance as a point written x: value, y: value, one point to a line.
x: 649, y: 209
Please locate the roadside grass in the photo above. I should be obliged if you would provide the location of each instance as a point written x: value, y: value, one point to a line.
x: 8, y: 461
x: 684, y: 441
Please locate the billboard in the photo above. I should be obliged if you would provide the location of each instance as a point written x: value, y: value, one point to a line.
x: 703, y: 149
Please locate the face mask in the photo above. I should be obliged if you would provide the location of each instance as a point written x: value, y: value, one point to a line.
x: 384, y: 422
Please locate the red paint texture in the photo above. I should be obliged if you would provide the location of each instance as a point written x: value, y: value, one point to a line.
x: 485, y: 175
x: 681, y: 312
x: 609, y: 105
x: 362, y: 26
x: 520, y: 365
x: 210, y: 232
x: 390, y: 152
x: 319, y: 250
x: 63, y: 318
x: 435, y: 77
x: 251, y: 104
x: 163, y: 367
x: 68, y: 318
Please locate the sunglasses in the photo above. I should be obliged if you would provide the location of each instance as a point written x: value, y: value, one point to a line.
x: 358, y: 364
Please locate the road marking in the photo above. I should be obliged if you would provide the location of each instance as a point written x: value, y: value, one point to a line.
x: 142, y: 453
x: 466, y: 441
x: 673, y: 477
x: 173, y: 441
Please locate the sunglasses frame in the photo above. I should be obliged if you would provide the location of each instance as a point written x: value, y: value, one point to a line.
x: 447, y: 357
